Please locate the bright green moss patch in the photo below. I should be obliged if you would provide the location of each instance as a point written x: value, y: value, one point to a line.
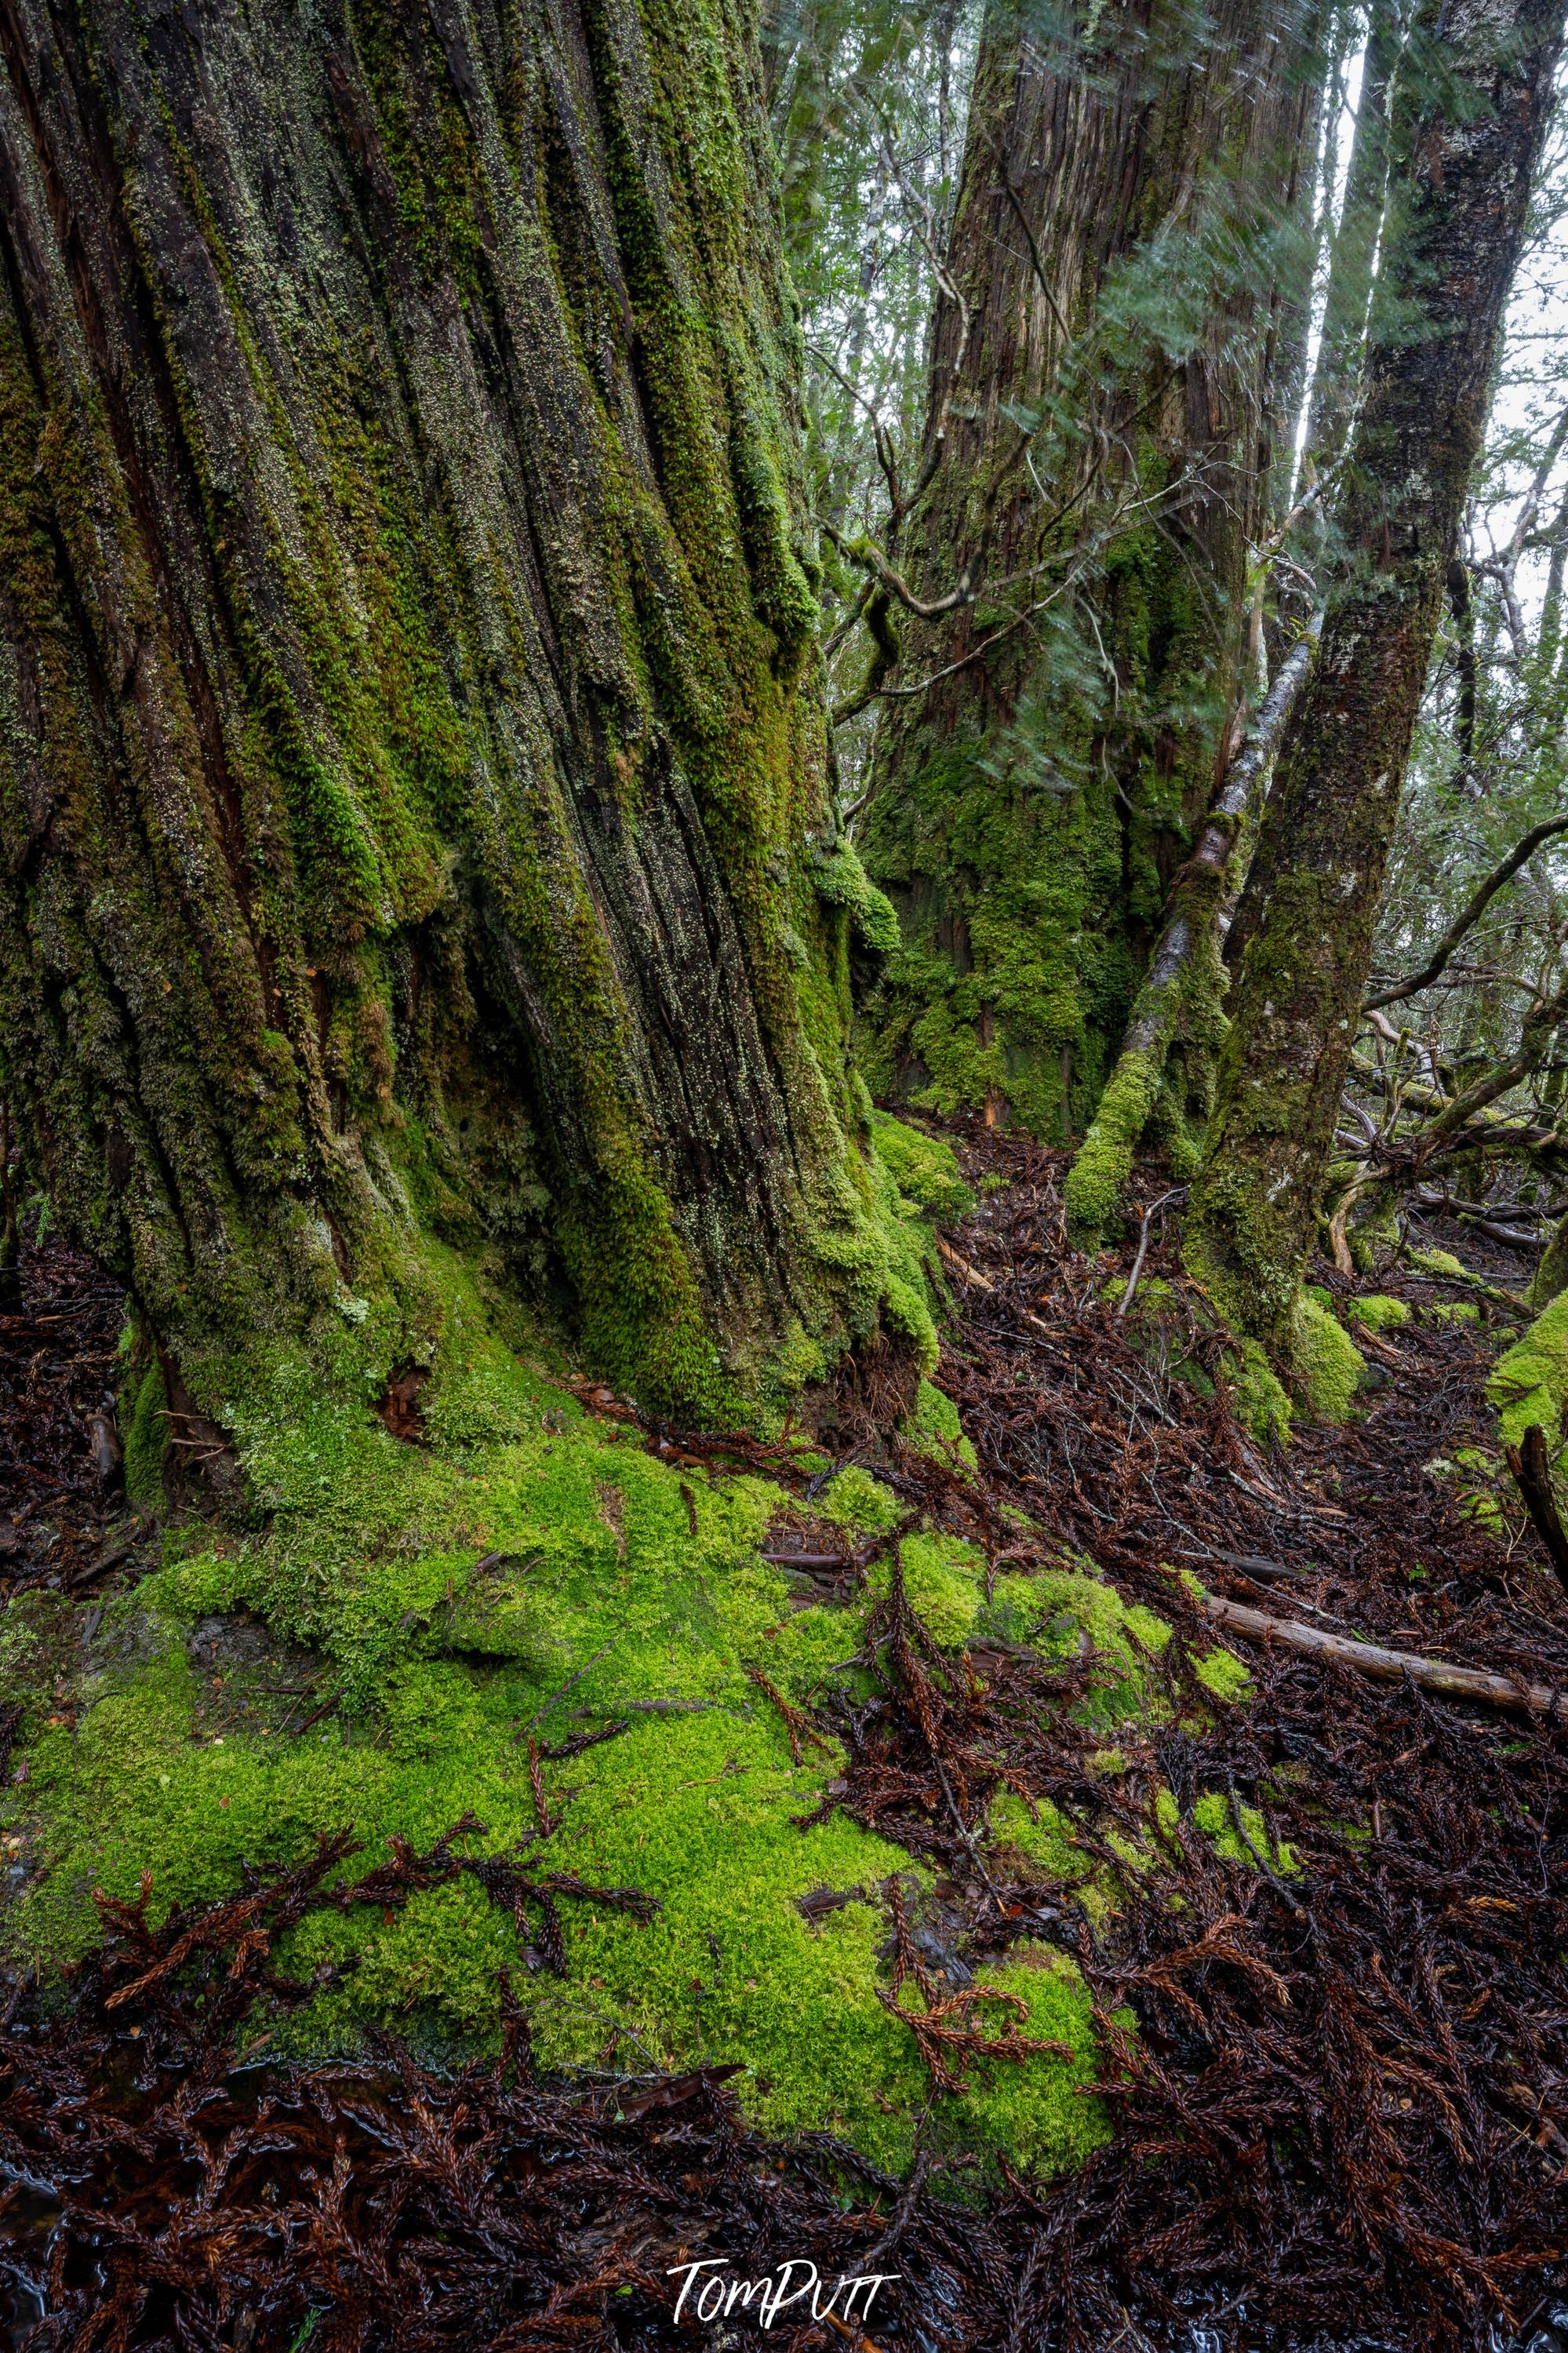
x: 1478, y: 1477
x: 527, y: 1572
x: 1222, y: 1672
x: 1378, y: 1312
x: 1260, y: 1397
x: 146, y: 1435
x: 1529, y: 1381
x: 1324, y: 1360
x: 923, y: 1167
x: 1035, y: 2111
x: 934, y: 1423
x: 1442, y: 1263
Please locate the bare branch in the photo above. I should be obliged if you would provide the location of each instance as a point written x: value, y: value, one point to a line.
x: 1476, y: 906
x: 867, y: 554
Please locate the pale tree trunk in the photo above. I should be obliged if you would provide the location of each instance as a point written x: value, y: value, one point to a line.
x: 1337, y: 376
x: 1099, y: 474
x: 412, y: 750
x: 1459, y: 189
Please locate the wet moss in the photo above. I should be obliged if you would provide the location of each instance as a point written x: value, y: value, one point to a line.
x: 1325, y: 1362
x: 1529, y: 1382
x: 342, y: 973
x: 526, y: 1572
x: 1378, y: 1312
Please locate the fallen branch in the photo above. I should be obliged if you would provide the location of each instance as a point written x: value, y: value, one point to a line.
x: 1388, y: 1666
x: 960, y: 1266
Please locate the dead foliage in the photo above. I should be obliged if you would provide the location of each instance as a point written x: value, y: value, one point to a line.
x: 1346, y: 2108
x: 1341, y: 2118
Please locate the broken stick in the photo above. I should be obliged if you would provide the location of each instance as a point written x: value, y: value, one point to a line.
x: 1388, y: 1666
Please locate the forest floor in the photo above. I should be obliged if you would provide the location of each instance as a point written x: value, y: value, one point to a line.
x: 1322, y: 1918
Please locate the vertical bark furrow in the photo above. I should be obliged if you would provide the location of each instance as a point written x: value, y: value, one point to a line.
x: 400, y: 483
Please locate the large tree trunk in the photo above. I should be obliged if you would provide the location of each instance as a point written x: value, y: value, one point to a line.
x: 412, y: 748
x: 1463, y: 164
x: 1100, y: 438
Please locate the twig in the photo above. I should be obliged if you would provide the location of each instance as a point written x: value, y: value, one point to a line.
x: 1388, y: 1666
x: 563, y: 1689
x: 1176, y: 1193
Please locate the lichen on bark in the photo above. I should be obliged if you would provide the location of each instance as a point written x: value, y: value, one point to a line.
x: 412, y: 753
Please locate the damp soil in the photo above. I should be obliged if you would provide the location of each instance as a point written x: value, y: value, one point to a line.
x: 1341, y: 2119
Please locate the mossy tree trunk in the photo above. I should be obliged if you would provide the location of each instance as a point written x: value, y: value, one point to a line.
x: 1463, y: 163
x: 413, y: 759
x: 1100, y: 429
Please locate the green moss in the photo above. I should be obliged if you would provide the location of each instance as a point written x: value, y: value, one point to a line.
x: 944, y: 1580
x: 934, y: 1423
x: 1378, y: 1312
x: 1104, y: 1160
x: 1550, y: 1275
x: 840, y: 881
x: 1260, y: 1397
x: 923, y: 1166
x: 1325, y: 1362
x: 1481, y: 1480
x: 1440, y: 1262
x: 1036, y: 2113
x: 1222, y: 1672
x: 364, y: 1562
x: 1213, y: 1815
x: 147, y: 1437
x: 1529, y: 1381
x: 336, y: 1051
x: 1040, y: 1832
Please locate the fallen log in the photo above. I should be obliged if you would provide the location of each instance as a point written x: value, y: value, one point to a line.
x: 1388, y: 1666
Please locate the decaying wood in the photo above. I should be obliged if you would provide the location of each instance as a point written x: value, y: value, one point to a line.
x: 1386, y: 1666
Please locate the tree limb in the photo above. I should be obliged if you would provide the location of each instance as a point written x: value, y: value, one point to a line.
x: 1531, y: 1469
x: 1388, y: 1666
x: 1534, y: 1038
x: 1474, y: 908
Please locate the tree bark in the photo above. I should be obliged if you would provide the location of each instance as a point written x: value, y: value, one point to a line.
x: 1099, y: 453
x: 1337, y: 376
x: 413, y: 762
x: 1460, y: 185
x: 1185, y: 963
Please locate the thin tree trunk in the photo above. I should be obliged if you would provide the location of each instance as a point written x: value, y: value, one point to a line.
x: 1052, y: 741
x: 412, y: 757
x: 1183, y: 982
x: 1462, y: 188
x: 1336, y: 379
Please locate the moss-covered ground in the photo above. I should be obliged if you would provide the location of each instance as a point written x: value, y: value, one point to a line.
x: 529, y: 1572
x: 397, y: 1635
